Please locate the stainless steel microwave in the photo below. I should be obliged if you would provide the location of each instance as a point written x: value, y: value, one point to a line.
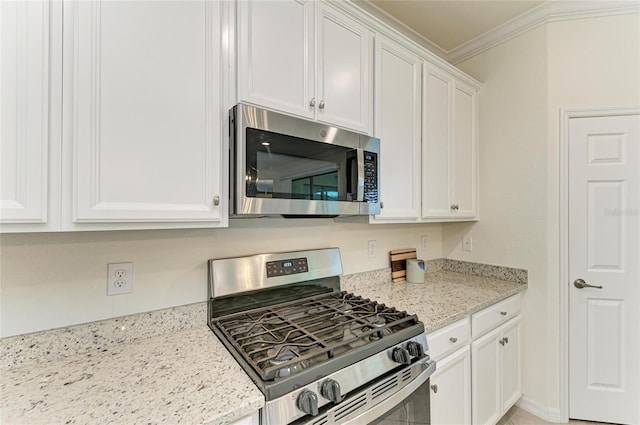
x: 282, y: 165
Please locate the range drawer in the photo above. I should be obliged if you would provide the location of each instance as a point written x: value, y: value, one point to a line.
x: 495, y: 315
x: 445, y: 340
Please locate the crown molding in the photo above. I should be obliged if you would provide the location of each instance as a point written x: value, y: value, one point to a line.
x: 374, y: 10
x: 550, y: 11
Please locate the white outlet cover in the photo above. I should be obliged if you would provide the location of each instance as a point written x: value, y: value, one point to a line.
x: 119, y: 278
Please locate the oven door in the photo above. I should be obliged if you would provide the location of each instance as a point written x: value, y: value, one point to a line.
x: 410, y: 405
x: 399, y: 398
x: 415, y: 408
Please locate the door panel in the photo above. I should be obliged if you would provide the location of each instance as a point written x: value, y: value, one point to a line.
x: 276, y: 66
x: 486, y: 379
x: 451, y: 404
x: 344, y: 71
x: 510, y: 351
x: 24, y: 111
x: 437, y: 125
x: 604, y: 229
x: 142, y: 114
x: 398, y: 125
x: 463, y: 152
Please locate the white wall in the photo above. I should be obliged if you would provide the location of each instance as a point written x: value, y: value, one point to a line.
x: 580, y: 63
x: 50, y: 280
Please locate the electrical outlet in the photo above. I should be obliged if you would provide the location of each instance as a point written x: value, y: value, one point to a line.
x: 119, y: 278
x: 371, y: 249
x: 467, y: 243
x: 424, y: 242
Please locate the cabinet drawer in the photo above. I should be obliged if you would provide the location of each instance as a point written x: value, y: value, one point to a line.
x: 495, y: 315
x: 445, y: 340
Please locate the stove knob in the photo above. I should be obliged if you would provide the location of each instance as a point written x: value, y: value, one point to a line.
x: 331, y: 390
x: 308, y: 402
x: 400, y: 355
x: 415, y: 349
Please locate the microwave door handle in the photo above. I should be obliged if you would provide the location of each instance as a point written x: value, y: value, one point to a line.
x: 360, y: 187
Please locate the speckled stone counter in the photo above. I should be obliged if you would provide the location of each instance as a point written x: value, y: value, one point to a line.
x: 186, y: 376
x: 167, y: 367
x: 445, y: 296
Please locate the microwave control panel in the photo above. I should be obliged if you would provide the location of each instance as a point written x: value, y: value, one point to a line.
x: 370, y: 177
x: 287, y: 267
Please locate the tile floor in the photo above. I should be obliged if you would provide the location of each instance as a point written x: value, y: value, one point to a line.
x: 517, y: 416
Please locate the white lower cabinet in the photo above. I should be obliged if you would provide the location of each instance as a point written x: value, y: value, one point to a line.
x: 477, y: 377
x: 451, y: 389
x: 450, y: 394
x: 495, y: 380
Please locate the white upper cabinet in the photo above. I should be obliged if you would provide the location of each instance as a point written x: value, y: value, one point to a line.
x: 142, y: 111
x: 449, y: 147
x: 24, y: 111
x: 276, y: 55
x: 464, y: 155
x: 398, y: 88
x: 305, y: 58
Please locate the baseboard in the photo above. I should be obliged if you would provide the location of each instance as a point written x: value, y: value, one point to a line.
x: 544, y: 413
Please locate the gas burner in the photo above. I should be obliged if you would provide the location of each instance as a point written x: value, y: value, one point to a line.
x: 376, y: 321
x: 282, y: 353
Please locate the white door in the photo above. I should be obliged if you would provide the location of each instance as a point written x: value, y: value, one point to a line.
x: 437, y: 140
x: 398, y: 125
x: 463, y: 153
x: 344, y: 64
x: 276, y: 55
x: 451, y: 389
x: 24, y: 111
x: 486, y: 379
x: 142, y: 110
x: 511, y: 371
x: 604, y: 229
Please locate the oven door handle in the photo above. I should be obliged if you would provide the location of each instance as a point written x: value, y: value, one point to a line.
x: 428, y: 367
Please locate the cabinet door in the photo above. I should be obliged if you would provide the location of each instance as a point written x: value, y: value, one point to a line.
x: 451, y: 389
x: 276, y: 55
x: 344, y: 82
x: 435, y: 147
x: 486, y: 379
x: 511, y: 381
x: 398, y: 125
x: 463, y: 152
x: 142, y: 110
x: 24, y: 111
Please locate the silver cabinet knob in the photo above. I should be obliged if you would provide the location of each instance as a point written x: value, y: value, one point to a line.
x: 453, y: 339
x: 216, y: 200
x: 312, y: 103
x: 434, y: 387
x: 580, y: 284
x: 321, y: 106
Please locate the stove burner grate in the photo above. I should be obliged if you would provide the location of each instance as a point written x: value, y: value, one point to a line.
x: 287, y: 338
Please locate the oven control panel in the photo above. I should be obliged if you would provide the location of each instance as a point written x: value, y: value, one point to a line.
x: 287, y: 267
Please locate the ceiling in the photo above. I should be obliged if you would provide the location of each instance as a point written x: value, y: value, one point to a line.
x: 451, y: 23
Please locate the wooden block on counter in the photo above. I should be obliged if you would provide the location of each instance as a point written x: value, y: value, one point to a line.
x: 398, y: 259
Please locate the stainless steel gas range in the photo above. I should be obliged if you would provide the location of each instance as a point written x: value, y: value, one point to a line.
x: 319, y: 355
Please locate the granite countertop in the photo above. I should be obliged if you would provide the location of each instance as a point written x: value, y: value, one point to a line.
x: 445, y: 296
x: 168, y: 367
x: 181, y: 377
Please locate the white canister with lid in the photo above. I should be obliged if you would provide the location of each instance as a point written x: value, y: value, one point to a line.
x: 415, y: 271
